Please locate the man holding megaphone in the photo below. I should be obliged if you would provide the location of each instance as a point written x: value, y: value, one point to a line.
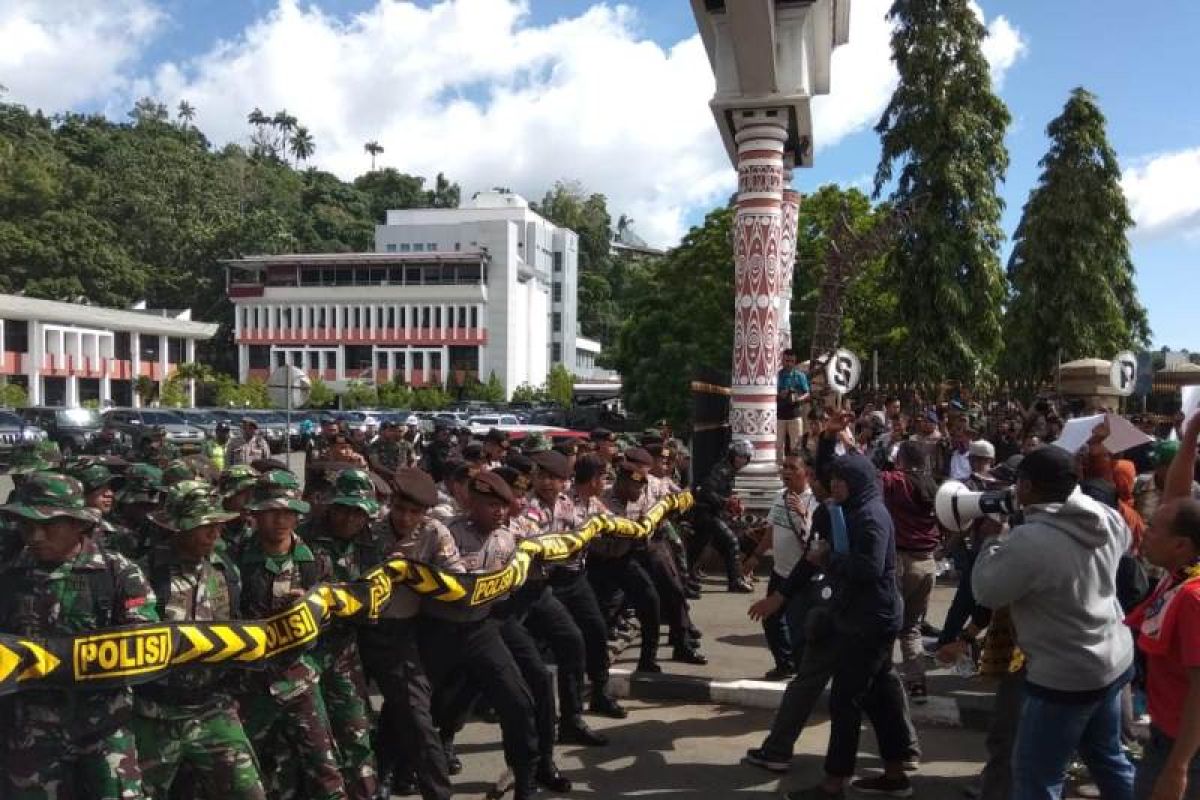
x: 1057, y: 574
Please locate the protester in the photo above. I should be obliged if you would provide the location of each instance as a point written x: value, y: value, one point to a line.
x: 1057, y: 573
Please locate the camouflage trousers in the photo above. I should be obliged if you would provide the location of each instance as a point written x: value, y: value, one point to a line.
x: 294, y: 748
x: 211, y: 742
x: 344, y: 689
x: 678, y: 548
x: 42, y: 763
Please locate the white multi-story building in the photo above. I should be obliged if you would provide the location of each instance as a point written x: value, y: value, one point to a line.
x: 449, y: 295
x: 66, y: 354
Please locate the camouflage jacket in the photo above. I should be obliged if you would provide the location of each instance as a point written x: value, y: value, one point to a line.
x: 271, y: 584
x: 96, y: 589
x: 205, y: 591
x: 156, y: 455
x: 340, y: 561
x: 390, y: 455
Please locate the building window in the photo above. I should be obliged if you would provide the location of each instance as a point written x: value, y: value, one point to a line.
x: 175, y: 350
x: 557, y: 292
x: 426, y: 317
x: 556, y: 352
x: 431, y: 247
x: 556, y: 322
x: 474, y: 316
x: 405, y: 247
x: 259, y: 356
x: 16, y: 336
x: 418, y: 248
x: 391, y: 248
x: 391, y: 317
x: 457, y: 246
x: 558, y: 262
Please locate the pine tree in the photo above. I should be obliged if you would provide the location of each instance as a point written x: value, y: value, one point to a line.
x: 1071, y: 274
x: 943, y: 134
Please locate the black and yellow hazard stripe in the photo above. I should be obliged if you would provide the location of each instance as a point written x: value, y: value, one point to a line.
x: 138, y: 653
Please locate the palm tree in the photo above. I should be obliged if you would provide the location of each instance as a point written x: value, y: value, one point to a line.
x: 257, y: 117
x: 374, y: 148
x: 186, y: 113
x: 301, y: 144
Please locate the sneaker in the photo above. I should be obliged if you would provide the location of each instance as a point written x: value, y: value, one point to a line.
x: 883, y: 785
x: 758, y: 758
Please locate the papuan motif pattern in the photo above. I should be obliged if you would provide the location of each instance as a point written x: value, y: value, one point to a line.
x: 760, y: 178
x: 756, y: 324
x: 753, y: 421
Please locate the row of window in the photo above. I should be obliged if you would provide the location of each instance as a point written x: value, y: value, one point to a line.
x: 294, y: 319
x: 416, y: 247
x: 356, y: 358
x: 395, y: 275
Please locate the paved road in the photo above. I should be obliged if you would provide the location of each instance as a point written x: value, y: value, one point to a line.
x: 693, y: 752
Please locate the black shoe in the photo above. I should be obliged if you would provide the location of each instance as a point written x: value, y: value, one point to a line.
x: 929, y: 630
x: 780, y: 673
x: 574, y: 730
x: 688, y: 655
x: 524, y: 791
x: 454, y: 764
x: 741, y: 586
x: 400, y: 786
x: 883, y: 785
x: 648, y: 666
x: 694, y: 632
x: 690, y: 593
x: 759, y: 758
x: 607, y: 706
x: 548, y: 777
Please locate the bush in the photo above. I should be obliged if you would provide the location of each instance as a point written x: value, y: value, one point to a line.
x: 13, y: 395
x: 429, y: 399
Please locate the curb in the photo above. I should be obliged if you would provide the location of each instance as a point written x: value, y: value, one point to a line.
x: 962, y: 709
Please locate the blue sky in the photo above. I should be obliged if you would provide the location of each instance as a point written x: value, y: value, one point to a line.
x: 523, y: 93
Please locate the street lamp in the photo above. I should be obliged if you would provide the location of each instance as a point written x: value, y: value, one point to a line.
x: 770, y: 58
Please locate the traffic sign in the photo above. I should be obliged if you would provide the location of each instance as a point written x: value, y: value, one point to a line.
x: 1123, y: 373
x: 843, y: 371
x: 289, y: 387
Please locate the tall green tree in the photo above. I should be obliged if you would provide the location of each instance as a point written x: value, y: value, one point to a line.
x: 943, y: 153
x: 679, y: 321
x: 1071, y: 275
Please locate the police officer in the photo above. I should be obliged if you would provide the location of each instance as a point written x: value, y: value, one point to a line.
x: 495, y: 448
x: 343, y: 544
x: 253, y: 447
x: 282, y: 709
x: 604, y: 445
x: 61, y: 742
x: 467, y: 640
x: 216, y: 449
x: 189, y: 718
x: 315, y: 446
x: 106, y: 442
x: 714, y: 497
x: 390, y: 650
x: 453, y: 501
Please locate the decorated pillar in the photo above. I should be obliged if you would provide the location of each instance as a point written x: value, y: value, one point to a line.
x: 790, y: 209
x: 758, y: 228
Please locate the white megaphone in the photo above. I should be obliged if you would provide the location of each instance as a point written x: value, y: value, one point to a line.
x: 957, y: 506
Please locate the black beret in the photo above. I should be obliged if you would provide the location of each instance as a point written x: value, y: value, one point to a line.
x: 568, y: 447
x: 601, y: 435
x: 415, y: 486
x: 517, y: 480
x: 638, y: 456
x: 489, y: 484
x: 473, y: 451
x: 496, y: 436
x: 519, y: 461
x: 554, y: 463
x: 630, y: 471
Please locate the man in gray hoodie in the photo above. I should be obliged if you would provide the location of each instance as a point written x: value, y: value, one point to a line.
x: 1057, y: 574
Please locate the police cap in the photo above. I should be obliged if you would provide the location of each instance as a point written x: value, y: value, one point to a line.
x: 415, y: 486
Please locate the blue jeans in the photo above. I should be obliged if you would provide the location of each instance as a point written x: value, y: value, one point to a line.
x: 1050, y: 731
x: 1154, y: 758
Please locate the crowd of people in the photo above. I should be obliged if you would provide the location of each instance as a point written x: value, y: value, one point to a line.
x: 120, y: 536
x: 1077, y: 593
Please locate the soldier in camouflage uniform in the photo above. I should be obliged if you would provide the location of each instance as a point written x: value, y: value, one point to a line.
x: 98, y: 481
x: 236, y: 486
x: 282, y: 709
x: 64, y: 743
x: 106, y: 442
x: 131, y: 528
x: 390, y: 451
x: 24, y: 461
x: 343, y: 544
x: 155, y: 449
x: 177, y: 471
x: 189, y: 719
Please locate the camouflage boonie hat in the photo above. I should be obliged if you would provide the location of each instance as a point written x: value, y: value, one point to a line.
x: 177, y: 471
x: 26, y: 459
x: 143, y: 484
x: 354, y: 488
x: 1162, y: 453
x: 89, y: 472
x: 277, y: 489
x: 44, y: 496
x: 237, y: 479
x: 536, y: 443
x: 191, y: 504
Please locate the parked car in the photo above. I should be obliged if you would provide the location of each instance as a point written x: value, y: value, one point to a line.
x: 132, y: 423
x: 355, y: 420
x: 200, y: 418
x: 15, y: 431
x: 70, y: 428
x: 273, y: 427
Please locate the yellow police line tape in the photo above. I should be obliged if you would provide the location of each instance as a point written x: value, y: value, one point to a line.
x: 138, y: 653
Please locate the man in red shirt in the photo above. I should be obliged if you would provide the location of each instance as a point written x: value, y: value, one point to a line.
x: 1168, y: 626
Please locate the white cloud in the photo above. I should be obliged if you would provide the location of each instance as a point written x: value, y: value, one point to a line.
x: 56, y: 54
x: 1162, y: 193
x: 472, y: 88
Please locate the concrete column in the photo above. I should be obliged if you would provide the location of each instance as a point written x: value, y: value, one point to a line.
x: 71, y: 399
x: 243, y: 363
x: 164, y: 363
x: 757, y: 275
x: 190, y: 357
x: 790, y: 210
x: 135, y: 366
